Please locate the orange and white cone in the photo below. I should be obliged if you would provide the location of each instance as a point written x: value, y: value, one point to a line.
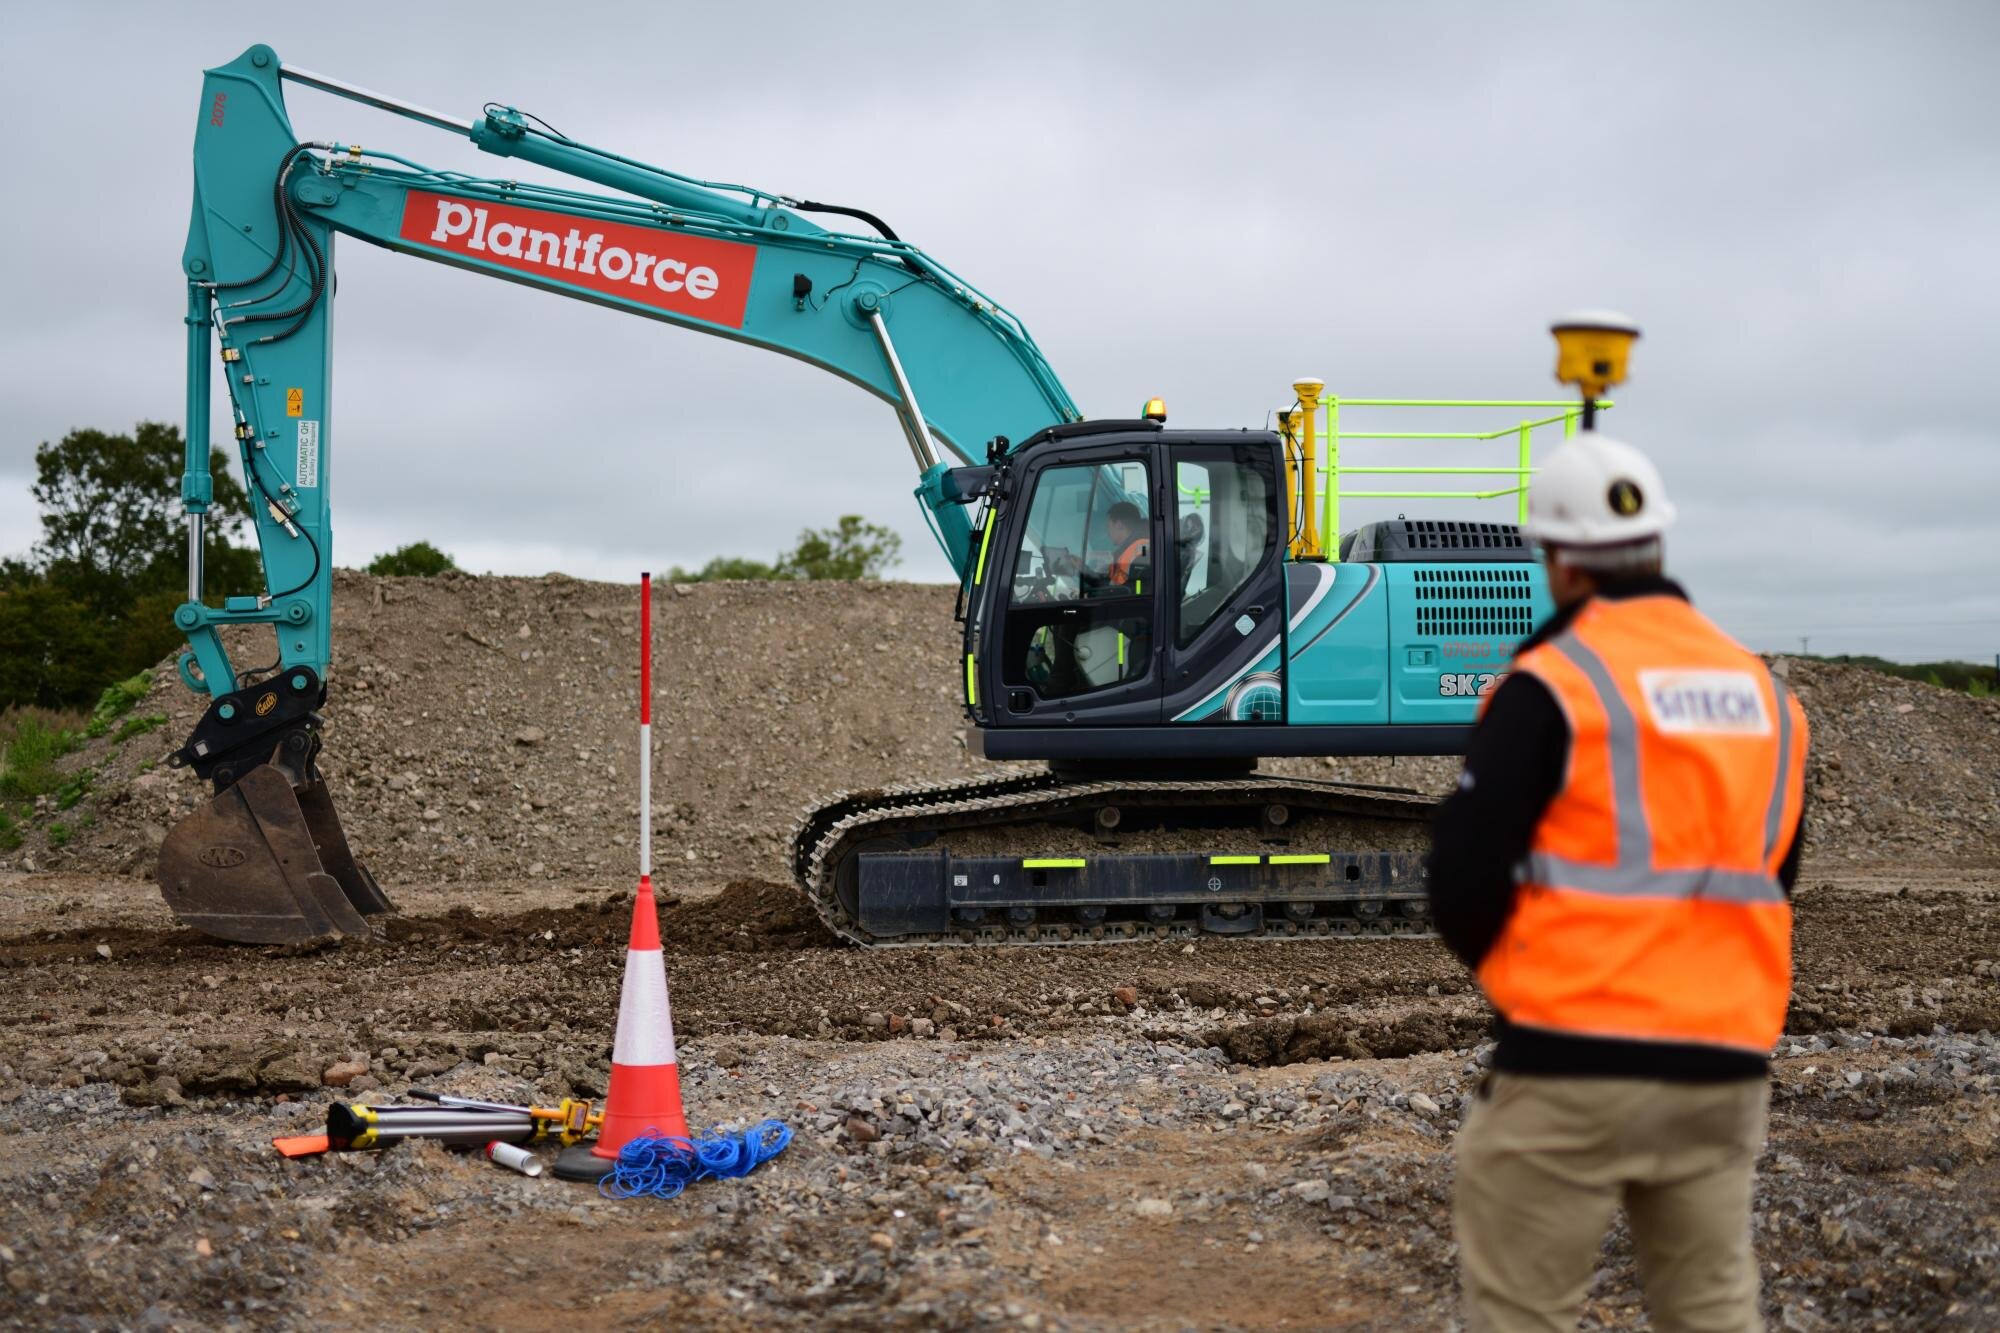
x: 645, y: 1092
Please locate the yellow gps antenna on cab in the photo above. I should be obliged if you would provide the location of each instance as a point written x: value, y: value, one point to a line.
x: 1591, y: 350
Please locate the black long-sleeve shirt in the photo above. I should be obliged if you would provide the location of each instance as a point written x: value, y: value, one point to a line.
x: 1513, y: 770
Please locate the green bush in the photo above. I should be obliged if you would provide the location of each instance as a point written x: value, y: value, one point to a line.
x: 73, y: 790
x: 139, y: 726
x: 1976, y: 679
x: 10, y: 832
x: 118, y: 699
x: 740, y: 567
x: 851, y: 549
x: 58, y: 834
x: 417, y: 560
x: 31, y: 744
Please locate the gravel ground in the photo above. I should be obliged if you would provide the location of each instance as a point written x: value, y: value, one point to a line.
x: 1223, y: 1134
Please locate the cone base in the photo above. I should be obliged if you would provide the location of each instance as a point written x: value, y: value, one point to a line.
x: 579, y: 1161
x: 640, y: 1099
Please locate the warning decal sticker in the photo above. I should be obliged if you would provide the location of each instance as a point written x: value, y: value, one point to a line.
x: 308, y: 470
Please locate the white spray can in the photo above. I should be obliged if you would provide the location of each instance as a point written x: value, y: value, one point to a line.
x: 514, y: 1158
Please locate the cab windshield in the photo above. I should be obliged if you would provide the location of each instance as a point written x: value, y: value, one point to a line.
x: 1086, y: 535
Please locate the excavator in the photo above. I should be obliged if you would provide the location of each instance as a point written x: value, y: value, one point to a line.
x: 1148, y: 612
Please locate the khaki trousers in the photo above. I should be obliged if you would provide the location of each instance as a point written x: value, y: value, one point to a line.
x: 1544, y: 1163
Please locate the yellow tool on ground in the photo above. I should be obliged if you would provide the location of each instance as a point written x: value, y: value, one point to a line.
x: 457, y: 1121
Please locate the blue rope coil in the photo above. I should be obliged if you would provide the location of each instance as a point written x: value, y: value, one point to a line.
x: 662, y: 1165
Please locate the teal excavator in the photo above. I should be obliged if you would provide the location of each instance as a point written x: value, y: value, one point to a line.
x: 1148, y: 611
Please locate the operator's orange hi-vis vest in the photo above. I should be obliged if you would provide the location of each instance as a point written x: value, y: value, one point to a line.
x: 1650, y: 907
x: 1121, y: 568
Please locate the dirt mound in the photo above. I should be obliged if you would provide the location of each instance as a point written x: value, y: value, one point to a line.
x: 481, y: 729
x: 748, y: 916
x: 1899, y: 770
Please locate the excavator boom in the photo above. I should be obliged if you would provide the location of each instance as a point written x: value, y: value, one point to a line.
x: 266, y: 860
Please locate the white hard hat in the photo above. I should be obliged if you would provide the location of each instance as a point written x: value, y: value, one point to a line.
x: 1597, y: 491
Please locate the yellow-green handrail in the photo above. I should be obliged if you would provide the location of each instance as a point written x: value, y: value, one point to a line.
x: 1331, y: 469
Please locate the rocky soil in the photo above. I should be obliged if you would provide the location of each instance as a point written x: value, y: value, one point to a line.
x: 1152, y: 1136
x: 483, y: 728
x: 1218, y: 1134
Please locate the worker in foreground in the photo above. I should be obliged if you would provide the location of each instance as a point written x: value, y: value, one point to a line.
x: 1616, y: 867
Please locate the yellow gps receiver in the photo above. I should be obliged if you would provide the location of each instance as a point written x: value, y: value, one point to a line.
x: 1591, y: 349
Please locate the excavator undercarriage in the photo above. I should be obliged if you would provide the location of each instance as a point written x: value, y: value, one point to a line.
x: 1052, y: 859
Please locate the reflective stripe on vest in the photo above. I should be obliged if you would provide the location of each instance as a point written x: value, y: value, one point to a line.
x: 1655, y: 913
x: 1774, y: 815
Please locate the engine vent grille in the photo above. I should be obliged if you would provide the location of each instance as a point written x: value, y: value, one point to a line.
x: 1419, y: 540
x: 1473, y: 601
x: 1435, y: 534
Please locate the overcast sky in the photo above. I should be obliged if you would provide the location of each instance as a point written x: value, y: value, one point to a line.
x: 1800, y: 204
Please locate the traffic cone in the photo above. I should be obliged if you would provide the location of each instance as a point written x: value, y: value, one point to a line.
x: 645, y: 1092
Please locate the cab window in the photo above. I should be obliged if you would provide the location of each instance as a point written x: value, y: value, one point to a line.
x: 1078, y: 615
x: 1223, y: 521
x: 1088, y: 534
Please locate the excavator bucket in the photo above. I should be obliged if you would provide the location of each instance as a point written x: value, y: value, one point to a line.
x: 265, y: 862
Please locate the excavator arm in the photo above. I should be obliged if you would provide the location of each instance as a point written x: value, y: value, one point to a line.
x: 724, y: 260
x: 266, y: 860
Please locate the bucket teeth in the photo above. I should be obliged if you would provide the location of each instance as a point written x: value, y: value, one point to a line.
x: 267, y: 863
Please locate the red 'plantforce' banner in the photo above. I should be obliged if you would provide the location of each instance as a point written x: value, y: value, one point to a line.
x: 688, y: 275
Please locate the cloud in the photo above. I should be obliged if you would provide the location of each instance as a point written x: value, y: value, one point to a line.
x: 1795, y: 199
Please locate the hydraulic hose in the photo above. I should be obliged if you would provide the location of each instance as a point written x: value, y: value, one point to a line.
x: 863, y: 214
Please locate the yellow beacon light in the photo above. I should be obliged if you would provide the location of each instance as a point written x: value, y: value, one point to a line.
x: 1155, y: 409
x: 1592, y: 347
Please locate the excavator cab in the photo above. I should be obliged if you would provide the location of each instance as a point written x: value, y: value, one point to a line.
x: 1223, y: 644
x: 1140, y: 565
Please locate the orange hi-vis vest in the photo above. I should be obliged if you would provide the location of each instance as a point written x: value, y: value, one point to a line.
x: 1649, y: 906
x: 1121, y: 568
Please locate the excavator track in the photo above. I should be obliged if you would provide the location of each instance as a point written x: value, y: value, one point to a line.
x: 1043, y: 859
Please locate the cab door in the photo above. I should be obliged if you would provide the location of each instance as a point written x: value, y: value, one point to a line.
x: 1223, y: 576
x: 1078, y: 613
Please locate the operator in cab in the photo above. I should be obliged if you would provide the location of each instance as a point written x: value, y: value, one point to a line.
x: 1616, y: 868
x: 1127, y: 528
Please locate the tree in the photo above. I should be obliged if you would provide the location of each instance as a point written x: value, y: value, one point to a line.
x: 112, y: 524
x: 96, y: 602
x: 726, y: 567
x: 54, y: 652
x: 851, y: 549
x: 417, y: 560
